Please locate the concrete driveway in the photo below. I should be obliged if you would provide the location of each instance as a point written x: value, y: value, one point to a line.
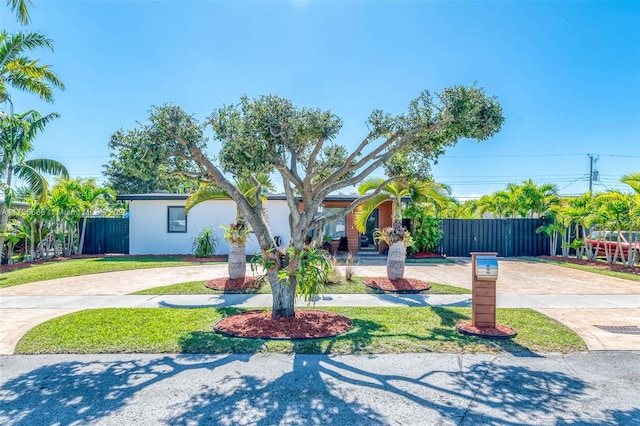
x: 599, y: 327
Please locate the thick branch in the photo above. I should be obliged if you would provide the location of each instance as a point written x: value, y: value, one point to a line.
x: 257, y: 222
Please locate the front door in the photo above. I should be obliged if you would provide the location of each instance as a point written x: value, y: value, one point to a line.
x: 372, y: 223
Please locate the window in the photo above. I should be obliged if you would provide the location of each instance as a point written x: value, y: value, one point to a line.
x: 336, y: 229
x: 176, y: 219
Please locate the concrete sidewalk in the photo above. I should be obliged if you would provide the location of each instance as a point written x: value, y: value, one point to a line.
x: 592, y: 305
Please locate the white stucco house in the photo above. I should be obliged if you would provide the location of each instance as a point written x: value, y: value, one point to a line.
x: 158, y: 224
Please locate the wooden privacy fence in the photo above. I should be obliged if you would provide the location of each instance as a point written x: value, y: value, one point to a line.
x: 106, y: 235
x: 507, y: 237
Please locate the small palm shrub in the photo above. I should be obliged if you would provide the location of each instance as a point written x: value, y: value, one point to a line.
x: 349, y: 269
x: 205, y: 243
x: 333, y: 277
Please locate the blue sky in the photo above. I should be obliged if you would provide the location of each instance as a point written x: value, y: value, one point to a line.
x: 566, y: 74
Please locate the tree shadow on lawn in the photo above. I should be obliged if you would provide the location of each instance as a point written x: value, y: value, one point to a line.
x: 301, y: 389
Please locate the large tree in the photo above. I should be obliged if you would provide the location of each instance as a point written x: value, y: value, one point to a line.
x: 271, y: 134
x: 135, y: 169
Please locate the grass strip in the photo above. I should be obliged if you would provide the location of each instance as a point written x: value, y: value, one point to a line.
x: 345, y: 287
x: 76, y: 267
x: 375, y: 330
x: 586, y: 268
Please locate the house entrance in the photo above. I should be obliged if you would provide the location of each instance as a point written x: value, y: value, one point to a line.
x: 372, y: 223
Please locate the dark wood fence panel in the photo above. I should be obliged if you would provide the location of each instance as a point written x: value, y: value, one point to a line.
x: 106, y: 235
x: 507, y: 237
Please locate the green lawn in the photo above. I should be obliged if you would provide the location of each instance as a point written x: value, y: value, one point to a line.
x: 75, y: 267
x: 346, y: 287
x: 375, y: 330
x: 587, y: 268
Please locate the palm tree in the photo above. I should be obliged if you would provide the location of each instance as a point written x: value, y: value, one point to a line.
x: 16, y: 138
x: 88, y: 194
x: 613, y: 213
x: 537, y: 200
x: 237, y: 233
x: 22, y: 73
x: 633, y: 180
x: 19, y: 7
x: 395, y: 191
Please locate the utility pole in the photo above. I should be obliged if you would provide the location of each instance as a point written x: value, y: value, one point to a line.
x: 592, y: 160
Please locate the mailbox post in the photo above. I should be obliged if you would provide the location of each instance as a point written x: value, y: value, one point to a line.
x: 484, y: 270
x: 483, y: 298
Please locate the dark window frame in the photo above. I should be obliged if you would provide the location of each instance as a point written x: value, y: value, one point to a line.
x: 169, y: 230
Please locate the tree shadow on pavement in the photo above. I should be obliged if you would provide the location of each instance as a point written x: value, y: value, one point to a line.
x: 302, y: 389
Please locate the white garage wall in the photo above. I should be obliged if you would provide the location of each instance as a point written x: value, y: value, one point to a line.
x: 148, y: 225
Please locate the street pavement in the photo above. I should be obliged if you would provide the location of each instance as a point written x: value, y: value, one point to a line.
x: 595, y: 388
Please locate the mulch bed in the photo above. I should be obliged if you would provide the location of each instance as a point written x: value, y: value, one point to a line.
x: 238, y: 284
x: 307, y: 324
x: 616, y: 267
x: 403, y: 285
x: 500, y: 331
x: 425, y: 255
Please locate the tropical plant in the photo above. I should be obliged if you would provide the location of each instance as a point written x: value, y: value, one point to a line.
x: 525, y: 200
x: 22, y: 73
x: 633, y: 180
x: 426, y: 229
x: 16, y: 136
x: 205, y: 243
x: 422, y: 191
x: 310, y: 268
x: 349, y: 263
x: 89, y: 195
x: 67, y: 210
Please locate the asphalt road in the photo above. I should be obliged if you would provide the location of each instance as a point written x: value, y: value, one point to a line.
x: 593, y: 388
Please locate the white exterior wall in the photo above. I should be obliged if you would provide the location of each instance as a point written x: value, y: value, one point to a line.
x: 148, y: 225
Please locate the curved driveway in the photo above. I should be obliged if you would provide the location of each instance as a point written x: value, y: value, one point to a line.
x: 580, y: 300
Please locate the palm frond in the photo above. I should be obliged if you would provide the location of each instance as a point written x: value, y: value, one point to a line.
x: 364, y: 210
x: 369, y: 184
x: 203, y: 194
x: 34, y: 180
x: 19, y: 7
x: 48, y: 166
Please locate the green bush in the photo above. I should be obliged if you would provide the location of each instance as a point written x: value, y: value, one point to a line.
x: 205, y: 243
x: 425, y: 230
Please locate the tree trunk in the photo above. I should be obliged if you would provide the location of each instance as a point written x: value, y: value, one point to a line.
x: 3, y: 228
x: 5, y: 209
x: 237, y: 262
x: 84, y: 226
x: 396, y: 260
x: 284, y: 296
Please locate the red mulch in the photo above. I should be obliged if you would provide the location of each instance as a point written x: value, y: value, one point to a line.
x: 238, y: 284
x: 600, y: 264
x: 425, y: 255
x: 307, y: 324
x: 500, y: 331
x: 403, y: 285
